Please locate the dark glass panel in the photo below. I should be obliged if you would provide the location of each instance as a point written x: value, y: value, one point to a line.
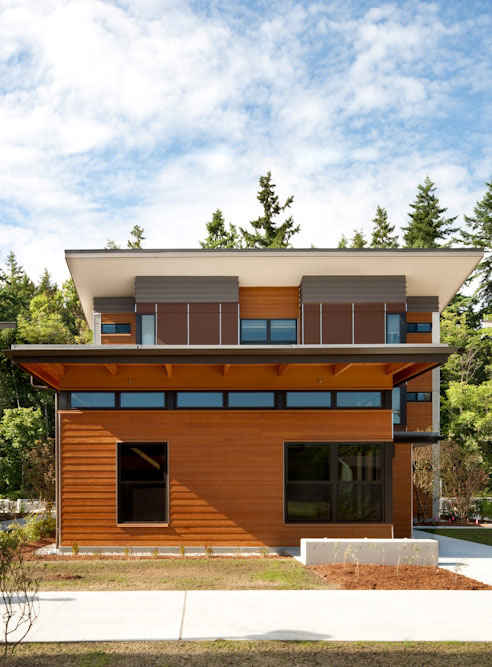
x: 142, y: 399
x: 251, y: 399
x: 393, y: 329
x: 122, y: 328
x: 142, y: 503
x: 200, y: 399
x: 358, y: 399
x: 360, y: 502
x: 92, y: 399
x: 108, y: 328
x: 283, y: 331
x: 424, y: 327
x: 143, y: 463
x: 411, y: 397
x: 308, y: 399
x: 396, y: 405
x: 308, y: 462
x: 424, y: 396
x: 359, y: 463
x: 254, y: 331
x: 308, y: 502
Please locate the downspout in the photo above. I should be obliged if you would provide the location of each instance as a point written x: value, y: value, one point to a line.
x: 436, y: 418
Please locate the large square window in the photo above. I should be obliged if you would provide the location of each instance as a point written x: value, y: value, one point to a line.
x: 142, y: 483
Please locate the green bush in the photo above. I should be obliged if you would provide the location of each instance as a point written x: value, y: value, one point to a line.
x: 484, y: 507
x: 38, y: 526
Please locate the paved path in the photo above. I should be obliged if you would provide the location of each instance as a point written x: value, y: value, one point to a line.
x: 469, y: 558
x: 312, y: 615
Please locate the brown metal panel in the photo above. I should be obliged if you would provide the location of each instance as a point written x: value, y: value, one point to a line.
x: 395, y: 308
x: 337, y: 323
x: 311, y: 323
x: 204, y: 324
x: 145, y: 308
x: 171, y: 323
x: 369, y: 323
x: 229, y: 323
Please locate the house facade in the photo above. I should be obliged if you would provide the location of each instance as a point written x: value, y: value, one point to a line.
x: 246, y: 398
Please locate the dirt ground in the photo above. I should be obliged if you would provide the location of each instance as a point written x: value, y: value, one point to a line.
x: 386, y: 577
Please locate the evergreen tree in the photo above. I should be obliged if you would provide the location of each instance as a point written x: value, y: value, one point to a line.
x: 137, y: 234
x: 358, y: 239
x: 16, y: 290
x: 46, y: 284
x: 267, y: 232
x: 344, y: 242
x: 382, y: 233
x: 218, y: 235
x: 111, y: 245
x: 427, y: 225
x: 479, y: 234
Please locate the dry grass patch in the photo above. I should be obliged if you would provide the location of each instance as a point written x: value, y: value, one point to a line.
x: 253, y: 654
x: 168, y: 574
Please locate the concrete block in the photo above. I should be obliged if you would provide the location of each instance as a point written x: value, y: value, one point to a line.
x: 327, y: 551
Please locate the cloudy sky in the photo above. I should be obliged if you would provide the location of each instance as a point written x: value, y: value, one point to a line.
x: 115, y: 113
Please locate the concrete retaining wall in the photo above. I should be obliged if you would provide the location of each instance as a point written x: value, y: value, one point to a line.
x: 369, y: 551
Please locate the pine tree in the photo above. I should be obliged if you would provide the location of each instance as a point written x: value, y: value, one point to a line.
x: 16, y: 290
x: 427, y: 225
x: 382, y: 233
x: 138, y: 237
x: 344, y: 242
x: 111, y: 245
x: 267, y: 233
x: 358, y: 239
x: 218, y: 235
x: 46, y: 284
x: 479, y: 234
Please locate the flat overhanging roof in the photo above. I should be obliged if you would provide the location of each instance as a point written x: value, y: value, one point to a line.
x: 429, y: 271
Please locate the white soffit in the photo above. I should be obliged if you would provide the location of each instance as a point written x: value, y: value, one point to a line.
x: 428, y: 272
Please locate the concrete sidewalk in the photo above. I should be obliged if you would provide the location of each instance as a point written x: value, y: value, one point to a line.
x: 289, y: 615
x: 472, y: 559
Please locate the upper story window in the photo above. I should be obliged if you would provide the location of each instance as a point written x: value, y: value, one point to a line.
x: 395, y: 328
x: 269, y: 332
x: 419, y: 327
x: 419, y: 396
x: 120, y: 328
x: 146, y: 330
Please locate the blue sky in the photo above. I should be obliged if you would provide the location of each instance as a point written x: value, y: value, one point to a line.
x: 156, y: 113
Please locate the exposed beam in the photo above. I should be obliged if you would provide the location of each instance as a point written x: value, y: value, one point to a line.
x: 281, y: 368
x: 226, y: 369
x: 391, y: 369
x: 112, y: 368
x: 169, y: 370
x: 59, y: 369
x: 340, y: 368
x: 411, y: 372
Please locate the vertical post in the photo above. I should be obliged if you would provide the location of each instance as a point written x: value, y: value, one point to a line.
x: 220, y: 324
x: 436, y: 418
x: 96, y: 329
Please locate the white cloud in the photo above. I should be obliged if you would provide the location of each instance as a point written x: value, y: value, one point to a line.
x: 155, y: 113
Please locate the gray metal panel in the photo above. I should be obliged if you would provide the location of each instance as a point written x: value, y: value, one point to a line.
x: 186, y: 289
x: 423, y: 304
x: 355, y: 289
x: 114, y: 304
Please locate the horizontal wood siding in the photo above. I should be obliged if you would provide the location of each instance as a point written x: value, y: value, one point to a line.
x: 269, y: 302
x: 225, y: 473
x: 419, y: 416
x: 402, y: 490
x: 119, y: 339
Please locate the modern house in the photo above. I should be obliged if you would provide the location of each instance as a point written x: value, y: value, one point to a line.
x: 246, y: 397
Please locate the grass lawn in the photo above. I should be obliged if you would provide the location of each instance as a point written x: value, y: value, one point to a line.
x: 481, y: 535
x: 162, y: 574
x: 254, y: 654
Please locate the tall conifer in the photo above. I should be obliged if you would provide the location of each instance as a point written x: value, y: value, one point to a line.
x: 427, y: 225
x: 479, y: 234
x: 218, y: 235
x: 383, y: 235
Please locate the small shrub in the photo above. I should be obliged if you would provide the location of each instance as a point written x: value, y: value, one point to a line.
x: 155, y: 553
x: 98, y: 553
x: 264, y: 552
x: 75, y: 548
x: 39, y: 526
x: 238, y: 552
x: 128, y: 551
x: 182, y: 549
x: 209, y: 550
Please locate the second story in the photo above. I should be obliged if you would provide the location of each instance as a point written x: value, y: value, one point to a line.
x: 267, y: 297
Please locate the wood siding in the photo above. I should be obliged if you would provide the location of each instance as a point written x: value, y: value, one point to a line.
x: 119, y: 339
x: 269, y: 302
x: 402, y: 490
x: 225, y: 474
x: 419, y: 416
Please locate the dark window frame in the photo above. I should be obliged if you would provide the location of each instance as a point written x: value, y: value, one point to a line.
x: 381, y: 405
x: 116, y: 325
x: 268, y: 340
x: 403, y: 405
x: 411, y: 394
x: 413, y: 327
x: 198, y: 407
x: 165, y: 483
x: 309, y: 407
x: 116, y: 405
x: 403, y: 328
x: 387, y: 454
x: 164, y: 407
x: 138, y: 336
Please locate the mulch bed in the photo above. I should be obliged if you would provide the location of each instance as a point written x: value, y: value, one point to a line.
x: 387, y: 577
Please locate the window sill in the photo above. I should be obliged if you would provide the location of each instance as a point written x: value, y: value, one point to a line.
x: 141, y: 524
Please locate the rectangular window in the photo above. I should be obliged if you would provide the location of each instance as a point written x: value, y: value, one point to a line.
x: 359, y: 485
x: 308, y: 482
x: 251, y: 399
x: 308, y: 399
x: 199, y: 399
x: 358, y: 399
x: 142, y: 483
x: 419, y: 396
x: 142, y: 399
x: 396, y: 405
x: 123, y: 328
x: 395, y: 323
x: 92, y: 399
x: 269, y: 332
x: 146, y: 330
x: 419, y: 327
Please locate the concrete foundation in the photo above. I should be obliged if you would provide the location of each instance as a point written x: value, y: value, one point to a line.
x: 369, y: 551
